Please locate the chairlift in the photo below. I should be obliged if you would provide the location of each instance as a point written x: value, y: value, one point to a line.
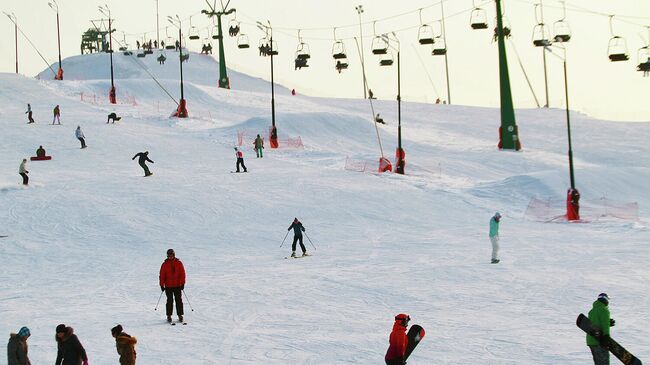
x: 242, y: 41
x: 194, y: 33
x: 302, y: 51
x: 233, y: 28
x: 439, y: 45
x: 267, y: 48
x: 338, y: 48
x: 541, y: 35
x: 341, y: 64
x: 561, y: 28
x: 425, y: 33
x: 379, y: 44
x: 215, y: 32
x: 617, y: 49
x: 300, y: 61
x: 478, y: 18
x: 386, y: 59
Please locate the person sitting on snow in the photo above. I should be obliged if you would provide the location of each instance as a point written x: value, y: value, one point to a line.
x: 113, y: 117
x: 40, y: 152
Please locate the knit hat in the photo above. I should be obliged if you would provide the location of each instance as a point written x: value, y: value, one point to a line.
x: 24, y: 332
x: 170, y: 252
x: 603, y: 297
x: 497, y: 215
x: 60, y: 328
x: 116, y: 330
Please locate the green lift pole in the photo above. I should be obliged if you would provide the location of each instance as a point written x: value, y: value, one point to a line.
x: 224, y: 81
x: 508, y: 133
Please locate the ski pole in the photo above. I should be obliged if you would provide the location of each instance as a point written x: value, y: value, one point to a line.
x: 158, y: 301
x: 312, y: 243
x: 285, y: 237
x: 188, y: 301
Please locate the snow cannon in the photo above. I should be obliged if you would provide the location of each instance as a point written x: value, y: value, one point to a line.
x: 385, y: 165
x: 573, y: 204
x: 400, y: 162
x: 273, y: 137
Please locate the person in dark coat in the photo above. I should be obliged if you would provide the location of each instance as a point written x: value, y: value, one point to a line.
x: 40, y: 152
x: 398, y: 341
x: 240, y: 159
x: 70, y: 351
x: 17, y: 348
x: 172, y: 282
x: 297, y: 237
x: 259, y: 146
x: 125, y: 344
x: 29, y: 114
x: 142, y: 158
x: 113, y: 117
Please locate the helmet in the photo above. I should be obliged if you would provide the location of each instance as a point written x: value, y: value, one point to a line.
x: 170, y: 252
x: 403, y: 319
x: 603, y: 297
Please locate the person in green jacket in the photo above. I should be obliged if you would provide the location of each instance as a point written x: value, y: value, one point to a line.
x: 494, y: 236
x: 259, y: 146
x: 17, y: 348
x: 600, y: 318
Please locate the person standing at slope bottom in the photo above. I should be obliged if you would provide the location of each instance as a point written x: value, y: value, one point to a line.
x: 259, y: 146
x: 57, y: 115
x: 494, y: 236
x: 297, y: 237
x: 172, y: 282
x: 240, y: 159
x: 70, y: 351
x: 600, y: 318
x: 125, y: 344
x: 17, y: 348
x: 22, y: 171
x: 398, y: 341
x: 142, y: 158
x: 80, y: 136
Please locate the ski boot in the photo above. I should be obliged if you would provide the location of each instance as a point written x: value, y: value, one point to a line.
x: 169, y: 319
x: 305, y: 253
x: 293, y: 254
x: 180, y: 318
x: 495, y: 261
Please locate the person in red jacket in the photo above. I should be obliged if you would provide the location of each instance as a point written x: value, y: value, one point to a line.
x: 172, y: 282
x: 398, y: 341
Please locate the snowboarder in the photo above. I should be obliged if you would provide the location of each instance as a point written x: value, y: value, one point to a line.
x: 125, y: 344
x: 40, y: 152
x: 29, y: 114
x: 172, y: 282
x: 370, y: 94
x: 70, y: 351
x: 379, y: 119
x: 398, y: 341
x: 600, y: 318
x: 293, y: 91
x: 240, y: 159
x: 113, y: 117
x: 57, y: 115
x: 22, y: 171
x: 297, y: 237
x: 259, y: 146
x: 494, y: 236
x: 17, y: 348
x: 142, y: 157
x: 80, y: 136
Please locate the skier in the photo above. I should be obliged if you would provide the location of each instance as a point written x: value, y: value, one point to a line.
x: 370, y: 94
x: 293, y: 91
x: 125, y: 345
x: 80, y: 136
x: 29, y: 114
x: 297, y: 237
x: 70, y: 351
x: 379, y: 119
x: 172, y: 282
x: 113, y: 117
x: 259, y: 146
x: 40, y: 152
x: 494, y: 237
x: 22, y: 171
x: 600, y: 318
x: 398, y: 341
x: 142, y: 157
x: 17, y: 348
x: 57, y: 115
x: 240, y: 159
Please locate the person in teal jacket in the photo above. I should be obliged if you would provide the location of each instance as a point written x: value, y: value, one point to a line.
x: 494, y: 236
x: 600, y: 318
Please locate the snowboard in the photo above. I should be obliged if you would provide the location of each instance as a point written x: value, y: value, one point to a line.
x: 414, y: 336
x: 237, y: 172
x: 617, y: 350
x: 4, y: 236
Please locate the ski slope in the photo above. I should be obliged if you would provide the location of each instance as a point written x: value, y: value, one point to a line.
x: 87, y: 237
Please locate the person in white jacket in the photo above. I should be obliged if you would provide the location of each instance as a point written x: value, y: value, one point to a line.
x: 22, y: 171
x: 80, y: 137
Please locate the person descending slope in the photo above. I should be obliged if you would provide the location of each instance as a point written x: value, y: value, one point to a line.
x: 494, y: 237
x: 172, y: 282
x: 80, y: 136
x: 142, y: 158
x: 240, y: 159
x: 297, y: 237
x: 398, y: 341
x: 125, y: 344
x: 29, y: 114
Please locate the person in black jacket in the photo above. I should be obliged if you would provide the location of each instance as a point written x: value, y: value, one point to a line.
x: 142, y: 157
x: 297, y: 236
x: 70, y: 351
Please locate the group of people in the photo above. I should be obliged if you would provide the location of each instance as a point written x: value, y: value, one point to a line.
x: 56, y: 115
x: 70, y: 351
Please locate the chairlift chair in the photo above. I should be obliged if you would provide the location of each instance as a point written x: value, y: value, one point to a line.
x: 540, y: 35
x: 215, y: 32
x: 386, y: 59
x: 338, y: 50
x: 379, y: 45
x: 193, y: 33
x: 274, y: 49
x: 644, y: 60
x: 242, y: 41
x: 302, y: 51
x: 425, y: 35
x: 439, y: 47
x: 170, y: 43
x: 478, y: 19
x: 617, y: 49
x: 562, y: 31
x: 233, y: 28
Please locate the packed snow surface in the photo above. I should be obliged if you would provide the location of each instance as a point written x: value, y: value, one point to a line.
x: 88, y: 235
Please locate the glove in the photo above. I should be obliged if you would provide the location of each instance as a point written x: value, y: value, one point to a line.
x: 183, y: 287
x: 162, y: 288
x: 612, y: 322
x: 605, y: 341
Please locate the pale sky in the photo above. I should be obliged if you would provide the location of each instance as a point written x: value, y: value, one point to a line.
x: 597, y: 86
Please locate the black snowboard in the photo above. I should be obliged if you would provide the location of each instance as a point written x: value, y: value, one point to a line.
x: 617, y: 350
x: 414, y: 335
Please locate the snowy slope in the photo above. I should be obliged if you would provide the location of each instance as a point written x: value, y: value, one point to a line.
x: 87, y: 237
